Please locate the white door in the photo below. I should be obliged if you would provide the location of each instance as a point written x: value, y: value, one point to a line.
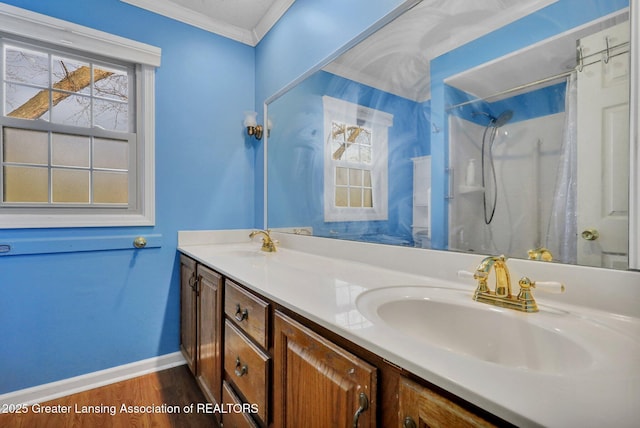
x: 603, y: 150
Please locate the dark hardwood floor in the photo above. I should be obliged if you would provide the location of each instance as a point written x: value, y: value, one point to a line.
x: 162, y: 398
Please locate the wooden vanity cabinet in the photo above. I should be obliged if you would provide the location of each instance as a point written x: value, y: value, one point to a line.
x: 420, y: 406
x: 317, y: 383
x: 209, y: 326
x: 285, y: 371
x: 247, y: 362
x: 188, y: 312
x: 201, y: 325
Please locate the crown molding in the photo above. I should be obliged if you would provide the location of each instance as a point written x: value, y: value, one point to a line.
x: 249, y: 37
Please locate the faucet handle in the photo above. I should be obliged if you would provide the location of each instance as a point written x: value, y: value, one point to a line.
x: 553, y: 287
x: 465, y: 274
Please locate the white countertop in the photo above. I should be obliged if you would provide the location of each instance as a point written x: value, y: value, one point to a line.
x: 324, y: 289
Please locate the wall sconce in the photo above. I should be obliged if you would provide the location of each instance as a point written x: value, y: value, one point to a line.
x: 252, y: 124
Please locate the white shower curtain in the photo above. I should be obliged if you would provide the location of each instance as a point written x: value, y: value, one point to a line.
x: 561, y: 237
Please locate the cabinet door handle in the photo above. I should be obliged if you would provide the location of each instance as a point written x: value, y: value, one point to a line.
x: 241, y: 314
x: 409, y: 423
x: 192, y: 281
x: 364, y: 405
x: 241, y: 369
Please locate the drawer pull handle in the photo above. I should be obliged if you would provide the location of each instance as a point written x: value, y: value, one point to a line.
x: 409, y: 422
x: 241, y: 369
x: 241, y: 314
x: 364, y: 405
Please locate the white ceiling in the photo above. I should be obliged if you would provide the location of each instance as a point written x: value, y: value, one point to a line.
x: 246, y: 21
x: 397, y: 58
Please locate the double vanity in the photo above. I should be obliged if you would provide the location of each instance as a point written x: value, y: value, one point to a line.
x: 373, y: 335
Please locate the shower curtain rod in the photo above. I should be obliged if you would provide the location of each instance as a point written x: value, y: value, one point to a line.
x: 578, y: 68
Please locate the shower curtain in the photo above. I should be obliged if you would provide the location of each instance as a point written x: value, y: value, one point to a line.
x: 561, y: 237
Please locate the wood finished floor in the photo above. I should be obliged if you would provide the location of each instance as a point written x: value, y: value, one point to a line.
x: 171, y: 387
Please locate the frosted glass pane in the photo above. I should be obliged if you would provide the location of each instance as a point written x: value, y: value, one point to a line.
x: 71, y: 150
x: 355, y: 177
x: 341, y: 176
x: 368, y: 198
x: 26, y: 103
x: 110, y: 187
x: 341, y: 196
x: 110, y: 115
x: 26, y: 184
x: 24, y: 146
x: 112, y: 154
x: 367, y: 178
x: 70, y: 185
x: 355, y: 197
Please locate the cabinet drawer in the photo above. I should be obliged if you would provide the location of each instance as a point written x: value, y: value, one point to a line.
x: 233, y: 418
x: 247, y: 367
x: 249, y: 312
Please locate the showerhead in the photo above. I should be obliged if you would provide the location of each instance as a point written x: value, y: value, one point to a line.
x: 499, y: 121
x: 502, y: 118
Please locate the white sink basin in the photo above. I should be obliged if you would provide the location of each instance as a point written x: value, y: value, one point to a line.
x: 449, y: 319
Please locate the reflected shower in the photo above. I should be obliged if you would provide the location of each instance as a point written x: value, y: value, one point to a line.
x: 492, y: 130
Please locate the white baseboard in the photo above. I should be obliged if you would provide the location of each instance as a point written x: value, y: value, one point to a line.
x: 61, y: 388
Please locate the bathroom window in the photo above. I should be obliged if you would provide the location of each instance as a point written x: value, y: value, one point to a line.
x: 355, y: 166
x: 76, y: 138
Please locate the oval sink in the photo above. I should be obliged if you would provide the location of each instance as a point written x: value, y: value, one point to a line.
x: 450, y: 319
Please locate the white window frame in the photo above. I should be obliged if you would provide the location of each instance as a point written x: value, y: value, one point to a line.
x: 41, y: 29
x: 379, y: 122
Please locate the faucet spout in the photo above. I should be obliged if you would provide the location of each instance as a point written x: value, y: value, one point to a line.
x: 503, y: 279
x: 268, y: 244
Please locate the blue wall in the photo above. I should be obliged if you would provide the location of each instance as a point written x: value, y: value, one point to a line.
x: 72, y: 313
x: 305, y: 37
x: 296, y: 157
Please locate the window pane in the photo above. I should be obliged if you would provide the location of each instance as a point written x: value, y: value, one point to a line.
x: 355, y: 197
x: 70, y: 185
x: 341, y: 176
x: 109, y: 115
x: 71, y: 150
x: 355, y: 177
x: 367, y: 178
x: 367, y: 198
x: 341, y: 197
x: 25, y: 146
x: 365, y: 154
x: 26, y: 184
x: 71, y: 75
x: 27, y: 66
x: 71, y: 109
x: 352, y: 154
x: 110, y: 188
x: 111, y: 83
x: 26, y: 103
x: 112, y: 154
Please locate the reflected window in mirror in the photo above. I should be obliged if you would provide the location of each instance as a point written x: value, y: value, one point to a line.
x: 355, y: 161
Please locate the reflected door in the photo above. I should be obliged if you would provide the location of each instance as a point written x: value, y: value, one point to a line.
x: 603, y: 149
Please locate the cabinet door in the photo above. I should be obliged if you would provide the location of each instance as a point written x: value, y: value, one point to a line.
x: 317, y: 383
x: 188, y: 310
x: 209, y: 365
x: 421, y: 407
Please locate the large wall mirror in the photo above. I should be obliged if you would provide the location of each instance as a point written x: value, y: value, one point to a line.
x: 493, y: 127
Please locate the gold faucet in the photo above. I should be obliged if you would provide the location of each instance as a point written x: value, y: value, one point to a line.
x: 540, y: 253
x: 268, y: 244
x: 502, y: 295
